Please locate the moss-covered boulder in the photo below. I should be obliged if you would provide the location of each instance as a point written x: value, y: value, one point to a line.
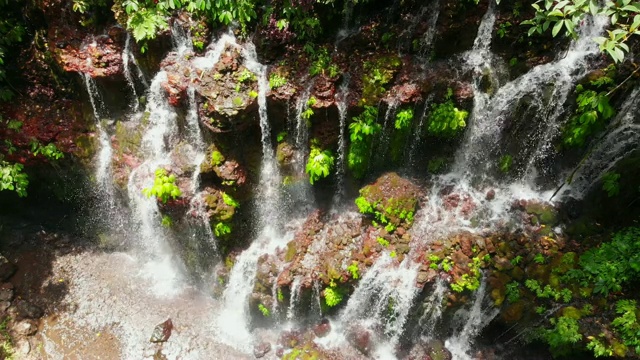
x: 391, y: 199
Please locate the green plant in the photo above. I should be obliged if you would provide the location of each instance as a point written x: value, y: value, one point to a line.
x: 377, y: 74
x: 539, y: 259
x: 229, y: 200
x: 166, y: 221
x: 382, y: 241
x: 610, y: 265
x: 503, y: 29
x: 611, y: 183
x: 353, y: 270
x: 393, y: 254
x: 447, y: 264
x: 403, y: 119
x: 50, y: 151
x: 164, y: 187
x: 237, y: 101
x: 263, y: 309
x: 626, y: 324
x: 446, y: 119
x: 332, y: 296
x: 516, y: 260
x: 279, y: 295
x: 13, y: 178
x: 361, y: 131
x: 598, y: 348
x: 565, y: 333
x: 436, y: 165
x: 308, y: 111
x: 505, y: 163
x: 566, y: 15
x: 217, y: 158
x: 513, y: 292
x: 469, y: 281
x: 276, y: 81
x: 253, y: 94
x: 281, y: 136
x: 320, y: 163
x: 540, y: 310
x: 222, y: 229
x: 591, y: 114
x: 246, y: 76
x: 548, y: 292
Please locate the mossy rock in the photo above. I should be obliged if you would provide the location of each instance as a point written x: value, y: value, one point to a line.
x: 284, y: 153
x: 391, y: 199
x: 217, y: 210
x: 546, y: 214
x: 571, y: 312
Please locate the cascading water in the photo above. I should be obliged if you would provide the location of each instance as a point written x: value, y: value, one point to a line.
x: 105, y: 153
x: 387, y: 131
x: 342, y: 102
x: 471, y: 322
x: 433, y: 310
x: 429, y: 35
x: 127, y: 57
x: 232, y: 322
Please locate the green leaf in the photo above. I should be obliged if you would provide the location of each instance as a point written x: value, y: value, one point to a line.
x: 557, y: 28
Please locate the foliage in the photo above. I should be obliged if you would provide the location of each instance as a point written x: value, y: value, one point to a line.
x: 12, y: 32
x: 217, y: 158
x: 403, y: 119
x: 591, y: 114
x: 513, y: 292
x: 565, y: 333
x: 610, y: 265
x: 50, y: 151
x: 377, y: 74
x: 382, y: 241
x: 321, y: 64
x: 539, y: 259
x: 598, y: 348
x: 227, y: 199
x: 320, y: 164
x: 505, y: 163
x: 436, y: 165
x: 361, y: 131
x: 548, y: 292
x: 332, y: 296
x: 470, y: 281
x: 276, y: 81
x: 222, y: 229
x: 626, y: 324
x: 263, y: 309
x: 164, y: 187
x: 566, y: 15
x: 307, y: 113
x: 281, y: 136
x: 503, y: 29
x: 13, y: 178
x: 516, y: 260
x: 166, y: 221
x: 611, y: 184
x: 353, y: 270
x: 246, y: 76
x: 445, y: 119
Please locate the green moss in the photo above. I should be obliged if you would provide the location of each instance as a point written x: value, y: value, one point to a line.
x: 217, y: 158
x: 377, y: 74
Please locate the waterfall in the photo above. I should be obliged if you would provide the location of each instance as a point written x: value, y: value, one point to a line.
x: 103, y: 176
x: 383, y: 297
x: 433, y: 309
x: 295, y: 295
x: 127, y: 56
x: 342, y: 102
x: 429, y: 35
x: 415, y: 144
x: 473, y: 321
x: 232, y: 322
x: 621, y: 140
x: 387, y: 130
x: 302, y: 129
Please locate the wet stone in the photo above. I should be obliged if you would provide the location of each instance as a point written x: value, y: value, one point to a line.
x: 26, y: 327
x: 7, y: 269
x: 162, y: 332
x: 6, y: 294
x: 261, y: 350
x: 4, y: 305
x: 23, y: 347
x: 322, y: 329
x: 27, y: 310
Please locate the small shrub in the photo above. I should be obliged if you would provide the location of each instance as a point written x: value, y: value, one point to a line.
x: 445, y: 119
x: 164, y: 187
x: 332, y: 296
x: 229, y: 200
x: 276, y: 81
x: 222, y: 229
x: 246, y: 76
x: 403, y: 119
x: 217, y: 158
x: 166, y: 221
x: 611, y: 184
x: 263, y: 309
x: 565, y: 333
x: 505, y: 163
x: 382, y: 241
x: 513, y: 292
x: 320, y: 164
x: 353, y: 270
x: 361, y: 131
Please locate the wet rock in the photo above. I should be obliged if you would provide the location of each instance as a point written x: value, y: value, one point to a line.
x: 322, y: 329
x: 4, y: 305
x: 162, y: 332
x: 437, y: 351
x: 513, y: 312
x: 27, y: 310
x: 491, y: 194
x: 23, y: 347
x: 290, y: 339
x: 26, y: 327
x: 360, y: 338
x: 7, y: 269
x: 502, y: 263
x: 6, y: 292
x: 261, y: 350
x: 394, y: 197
